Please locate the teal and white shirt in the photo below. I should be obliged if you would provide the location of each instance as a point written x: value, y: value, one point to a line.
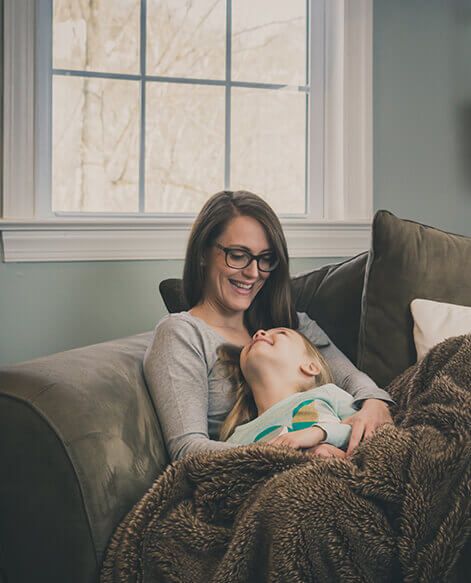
x: 324, y: 406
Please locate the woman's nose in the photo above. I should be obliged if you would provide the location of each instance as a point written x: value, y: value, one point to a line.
x: 251, y: 269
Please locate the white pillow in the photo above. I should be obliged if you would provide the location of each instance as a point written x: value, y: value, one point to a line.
x: 436, y: 321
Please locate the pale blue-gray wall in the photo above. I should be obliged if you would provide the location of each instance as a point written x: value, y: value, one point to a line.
x: 422, y: 171
x: 422, y: 111
x: 50, y: 307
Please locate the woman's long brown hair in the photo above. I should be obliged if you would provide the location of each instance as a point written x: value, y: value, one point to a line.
x: 244, y: 408
x: 273, y: 306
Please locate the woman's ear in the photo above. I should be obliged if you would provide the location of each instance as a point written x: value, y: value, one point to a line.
x: 310, y: 368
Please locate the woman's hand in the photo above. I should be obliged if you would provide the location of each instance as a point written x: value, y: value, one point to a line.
x: 303, y: 438
x: 372, y: 415
x: 326, y: 450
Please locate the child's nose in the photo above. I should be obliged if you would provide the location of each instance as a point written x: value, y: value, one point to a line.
x: 259, y: 333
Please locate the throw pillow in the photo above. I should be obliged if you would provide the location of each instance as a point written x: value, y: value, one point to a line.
x: 437, y: 321
x: 407, y: 260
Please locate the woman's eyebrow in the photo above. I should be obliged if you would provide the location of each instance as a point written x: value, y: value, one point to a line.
x: 248, y: 249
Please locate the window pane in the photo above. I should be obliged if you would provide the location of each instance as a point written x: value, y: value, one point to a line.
x: 184, y: 146
x: 96, y: 36
x: 95, y: 145
x: 186, y: 39
x: 269, y: 41
x: 268, y: 146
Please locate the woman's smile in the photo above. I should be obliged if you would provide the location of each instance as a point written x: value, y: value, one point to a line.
x: 242, y: 287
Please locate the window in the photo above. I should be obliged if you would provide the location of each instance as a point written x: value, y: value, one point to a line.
x: 143, y: 108
x: 157, y: 104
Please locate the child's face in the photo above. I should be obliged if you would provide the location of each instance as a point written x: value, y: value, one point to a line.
x: 281, y: 349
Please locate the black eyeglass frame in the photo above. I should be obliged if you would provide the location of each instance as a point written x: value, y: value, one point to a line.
x: 250, y: 255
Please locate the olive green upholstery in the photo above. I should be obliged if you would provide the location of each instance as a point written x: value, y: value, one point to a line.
x: 80, y: 443
x: 407, y: 260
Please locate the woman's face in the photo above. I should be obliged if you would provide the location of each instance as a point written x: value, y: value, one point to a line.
x: 281, y: 349
x: 231, y: 289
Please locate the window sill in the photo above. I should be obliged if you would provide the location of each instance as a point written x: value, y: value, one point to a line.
x: 150, y: 239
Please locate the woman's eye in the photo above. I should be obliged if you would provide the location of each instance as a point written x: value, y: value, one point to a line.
x: 236, y: 255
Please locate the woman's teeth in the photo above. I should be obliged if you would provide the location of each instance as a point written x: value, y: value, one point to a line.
x: 242, y: 286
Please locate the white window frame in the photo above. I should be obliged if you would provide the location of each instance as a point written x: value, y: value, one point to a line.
x: 340, y: 154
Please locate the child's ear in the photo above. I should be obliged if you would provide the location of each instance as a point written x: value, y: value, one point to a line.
x: 310, y: 368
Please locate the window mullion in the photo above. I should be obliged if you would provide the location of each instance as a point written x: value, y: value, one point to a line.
x: 142, y: 148
x: 316, y: 122
x: 43, y: 111
x: 307, y: 81
x: 228, y: 95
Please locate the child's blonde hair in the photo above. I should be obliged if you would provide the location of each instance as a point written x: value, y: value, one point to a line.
x: 244, y: 408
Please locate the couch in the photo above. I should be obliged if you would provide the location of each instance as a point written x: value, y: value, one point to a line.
x: 80, y: 440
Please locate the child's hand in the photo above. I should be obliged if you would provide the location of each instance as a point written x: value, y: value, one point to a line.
x: 326, y: 450
x: 302, y: 438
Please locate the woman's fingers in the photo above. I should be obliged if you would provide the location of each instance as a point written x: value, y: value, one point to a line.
x: 365, y: 422
x: 369, y: 431
x: 358, y: 429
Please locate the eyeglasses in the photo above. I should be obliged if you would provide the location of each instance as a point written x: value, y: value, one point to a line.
x: 240, y: 259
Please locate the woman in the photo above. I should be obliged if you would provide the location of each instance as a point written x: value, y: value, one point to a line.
x: 236, y: 280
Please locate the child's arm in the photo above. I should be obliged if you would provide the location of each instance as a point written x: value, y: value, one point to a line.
x: 303, y: 438
x: 332, y: 405
x: 335, y: 405
x: 326, y: 450
x: 337, y: 433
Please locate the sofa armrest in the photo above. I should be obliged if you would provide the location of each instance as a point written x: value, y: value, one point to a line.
x: 80, y: 443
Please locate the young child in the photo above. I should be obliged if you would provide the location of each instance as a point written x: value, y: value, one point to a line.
x: 284, y: 393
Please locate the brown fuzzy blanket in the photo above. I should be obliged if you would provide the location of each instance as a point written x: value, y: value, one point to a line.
x: 398, y: 510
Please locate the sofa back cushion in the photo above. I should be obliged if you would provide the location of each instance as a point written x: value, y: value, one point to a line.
x: 331, y: 295
x: 407, y: 260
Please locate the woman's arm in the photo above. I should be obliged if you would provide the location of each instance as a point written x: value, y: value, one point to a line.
x: 367, y: 396
x: 176, y: 374
x: 345, y: 374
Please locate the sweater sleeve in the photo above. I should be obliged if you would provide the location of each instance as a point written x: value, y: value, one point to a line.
x: 176, y: 373
x: 345, y: 374
x: 335, y: 405
x: 337, y: 433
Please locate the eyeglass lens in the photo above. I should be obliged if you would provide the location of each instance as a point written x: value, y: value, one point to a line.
x: 239, y: 259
